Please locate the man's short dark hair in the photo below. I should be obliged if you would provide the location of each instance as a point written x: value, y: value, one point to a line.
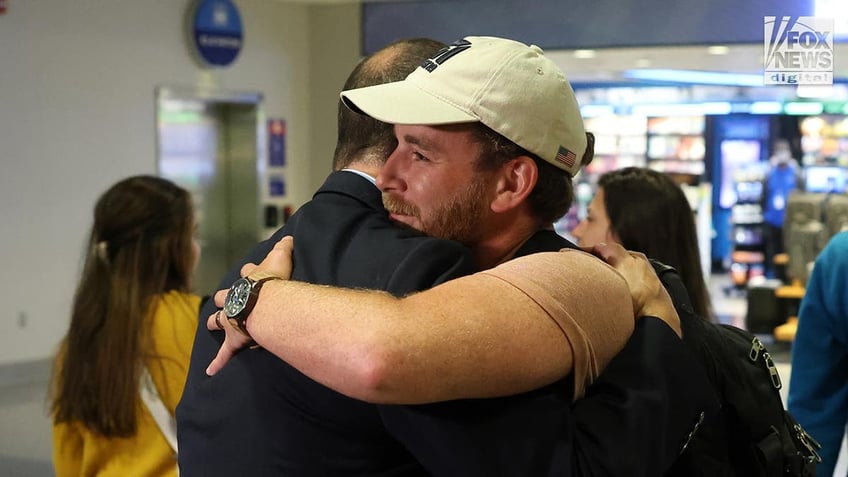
x: 554, y: 191
x: 358, y: 132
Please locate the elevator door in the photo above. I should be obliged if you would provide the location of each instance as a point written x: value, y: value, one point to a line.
x: 210, y: 147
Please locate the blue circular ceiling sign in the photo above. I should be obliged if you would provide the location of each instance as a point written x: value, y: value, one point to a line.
x: 217, y: 31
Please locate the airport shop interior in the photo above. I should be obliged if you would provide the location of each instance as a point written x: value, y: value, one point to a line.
x: 721, y: 144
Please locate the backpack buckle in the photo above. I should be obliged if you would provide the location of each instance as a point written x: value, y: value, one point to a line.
x: 772, y: 369
x: 810, y: 443
x: 756, y: 348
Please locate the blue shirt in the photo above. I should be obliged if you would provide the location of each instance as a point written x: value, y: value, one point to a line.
x: 818, y: 390
x: 781, y: 181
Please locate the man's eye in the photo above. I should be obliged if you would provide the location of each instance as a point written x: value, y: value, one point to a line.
x: 419, y: 157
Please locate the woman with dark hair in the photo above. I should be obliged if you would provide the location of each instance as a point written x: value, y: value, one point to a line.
x: 646, y: 211
x: 132, y: 317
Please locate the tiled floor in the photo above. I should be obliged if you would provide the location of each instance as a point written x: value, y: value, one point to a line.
x: 25, y: 444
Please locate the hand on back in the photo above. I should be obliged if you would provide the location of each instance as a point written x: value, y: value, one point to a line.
x: 278, y: 263
x: 649, y: 296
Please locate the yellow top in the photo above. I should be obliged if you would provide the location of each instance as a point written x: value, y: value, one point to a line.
x: 78, y: 451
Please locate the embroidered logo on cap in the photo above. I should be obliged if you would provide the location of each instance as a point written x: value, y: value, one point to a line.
x: 445, y: 54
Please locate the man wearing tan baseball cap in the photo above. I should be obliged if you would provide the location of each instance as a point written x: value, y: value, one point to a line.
x: 489, y: 130
x: 489, y: 138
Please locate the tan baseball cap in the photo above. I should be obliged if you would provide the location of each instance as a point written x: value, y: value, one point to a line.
x: 510, y: 87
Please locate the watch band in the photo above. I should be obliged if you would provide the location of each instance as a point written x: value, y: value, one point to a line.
x: 239, y: 321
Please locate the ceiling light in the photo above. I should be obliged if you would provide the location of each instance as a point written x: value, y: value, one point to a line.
x: 694, y: 77
x: 838, y: 11
x: 718, y: 50
x: 815, y: 91
x: 584, y: 54
x: 766, y: 107
x: 688, y: 109
x: 594, y: 110
x: 803, y: 109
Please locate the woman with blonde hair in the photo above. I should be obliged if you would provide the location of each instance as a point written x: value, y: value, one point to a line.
x: 132, y: 323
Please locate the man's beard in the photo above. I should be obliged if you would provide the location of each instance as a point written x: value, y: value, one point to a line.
x: 459, y: 218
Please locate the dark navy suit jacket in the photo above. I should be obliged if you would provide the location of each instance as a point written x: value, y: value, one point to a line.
x: 260, y: 416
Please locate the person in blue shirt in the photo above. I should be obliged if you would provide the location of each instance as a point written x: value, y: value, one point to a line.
x: 818, y: 390
x: 782, y: 179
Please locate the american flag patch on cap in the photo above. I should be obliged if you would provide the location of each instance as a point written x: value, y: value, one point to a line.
x: 566, y: 157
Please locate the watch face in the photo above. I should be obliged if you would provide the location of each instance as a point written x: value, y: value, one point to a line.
x: 237, y: 297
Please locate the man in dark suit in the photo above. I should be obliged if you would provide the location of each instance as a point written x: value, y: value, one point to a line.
x: 459, y: 121
x: 260, y: 416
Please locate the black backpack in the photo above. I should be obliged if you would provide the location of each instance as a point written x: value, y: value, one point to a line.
x: 754, y: 434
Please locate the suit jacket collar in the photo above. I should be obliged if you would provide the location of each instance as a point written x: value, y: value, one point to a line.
x: 353, y: 185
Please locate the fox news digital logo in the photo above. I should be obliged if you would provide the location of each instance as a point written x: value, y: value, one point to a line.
x: 798, y: 50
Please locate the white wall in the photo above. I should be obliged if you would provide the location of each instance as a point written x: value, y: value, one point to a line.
x: 77, y: 82
x: 334, y: 36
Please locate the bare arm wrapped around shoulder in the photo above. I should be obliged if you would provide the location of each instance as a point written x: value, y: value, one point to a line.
x: 519, y: 326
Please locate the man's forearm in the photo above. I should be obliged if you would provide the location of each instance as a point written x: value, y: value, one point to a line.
x: 486, y: 335
x: 428, y: 347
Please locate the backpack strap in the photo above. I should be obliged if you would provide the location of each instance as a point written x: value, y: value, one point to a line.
x: 672, y: 282
x: 744, y: 402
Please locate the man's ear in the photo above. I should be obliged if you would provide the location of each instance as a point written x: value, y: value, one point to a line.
x: 516, y: 180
